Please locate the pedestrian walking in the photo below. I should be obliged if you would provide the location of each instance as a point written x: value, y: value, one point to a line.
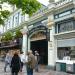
x: 30, y: 63
x: 8, y: 59
x: 15, y: 64
x: 37, y: 61
x: 22, y: 57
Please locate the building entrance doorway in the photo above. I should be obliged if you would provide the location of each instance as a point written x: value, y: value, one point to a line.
x: 42, y: 47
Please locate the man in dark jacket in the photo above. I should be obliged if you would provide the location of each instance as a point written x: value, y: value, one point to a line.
x: 15, y: 64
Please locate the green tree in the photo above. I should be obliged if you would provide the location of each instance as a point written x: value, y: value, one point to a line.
x: 3, y: 15
x: 18, y: 34
x: 8, y: 36
x: 27, y: 6
x: 3, y: 39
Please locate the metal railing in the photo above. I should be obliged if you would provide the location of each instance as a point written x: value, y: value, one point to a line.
x: 11, y: 43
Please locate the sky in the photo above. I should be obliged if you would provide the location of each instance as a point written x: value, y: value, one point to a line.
x: 45, y: 2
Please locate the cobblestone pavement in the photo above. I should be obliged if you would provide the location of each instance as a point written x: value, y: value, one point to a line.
x: 42, y: 71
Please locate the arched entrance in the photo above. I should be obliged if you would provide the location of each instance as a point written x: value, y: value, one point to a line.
x: 39, y: 42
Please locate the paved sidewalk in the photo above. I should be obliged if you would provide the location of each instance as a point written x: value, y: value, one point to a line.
x: 42, y: 71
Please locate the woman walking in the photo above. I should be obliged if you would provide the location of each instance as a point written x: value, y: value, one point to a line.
x: 15, y: 64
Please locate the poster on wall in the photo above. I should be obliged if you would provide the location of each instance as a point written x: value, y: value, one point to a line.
x: 50, y: 46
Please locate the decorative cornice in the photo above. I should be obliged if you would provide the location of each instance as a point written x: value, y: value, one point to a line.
x: 49, y: 11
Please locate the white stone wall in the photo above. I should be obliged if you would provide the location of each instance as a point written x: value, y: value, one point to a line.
x: 15, y: 19
x: 51, y: 55
x: 52, y: 49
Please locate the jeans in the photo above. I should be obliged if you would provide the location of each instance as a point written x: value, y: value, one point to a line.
x: 21, y: 66
x: 36, y: 67
x: 29, y: 71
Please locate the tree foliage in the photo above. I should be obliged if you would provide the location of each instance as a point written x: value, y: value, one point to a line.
x: 18, y: 34
x: 3, y: 15
x: 8, y: 36
x: 27, y: 6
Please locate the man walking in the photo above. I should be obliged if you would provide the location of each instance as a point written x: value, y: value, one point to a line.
x: 37, y: 60
x: 8, y: 59
x: 31, y: 63
x: 22, y: 57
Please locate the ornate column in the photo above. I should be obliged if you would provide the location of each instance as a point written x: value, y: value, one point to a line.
x: 24, y: 43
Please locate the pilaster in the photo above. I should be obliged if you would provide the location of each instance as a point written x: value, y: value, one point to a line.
x: 24, y: 44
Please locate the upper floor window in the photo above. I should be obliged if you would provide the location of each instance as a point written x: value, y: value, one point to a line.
x: 8, y: 24
x: 64, y: 26
x: 68, y: 26
x: 63, y: 14
x: 22, y: 18
x: 16, y: 20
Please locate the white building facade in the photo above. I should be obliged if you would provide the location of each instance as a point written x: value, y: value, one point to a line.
x: 50, y: 31
x: 14, y: 20
x: 58, y: 18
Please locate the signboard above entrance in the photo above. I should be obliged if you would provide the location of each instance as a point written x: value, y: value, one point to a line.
x: 37, y: 28
x: 40, y: 28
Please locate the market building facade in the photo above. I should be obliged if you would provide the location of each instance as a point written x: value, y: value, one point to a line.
x: 59, y: 20
x: 50, y: 31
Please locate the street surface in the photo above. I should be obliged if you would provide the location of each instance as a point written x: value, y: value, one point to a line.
x: 42, y: 71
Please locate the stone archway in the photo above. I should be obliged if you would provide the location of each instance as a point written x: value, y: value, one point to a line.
x: 39, y: 42
x: 38, y: 36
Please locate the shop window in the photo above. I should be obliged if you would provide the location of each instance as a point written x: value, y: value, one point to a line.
x: 62, y: 52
